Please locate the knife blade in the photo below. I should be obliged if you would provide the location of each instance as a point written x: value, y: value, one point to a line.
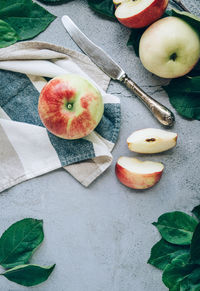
x: 114, y: 71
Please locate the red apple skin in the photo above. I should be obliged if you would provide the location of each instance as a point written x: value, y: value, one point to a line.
x: 147, y: 16
x: 136, y: 181
x: 64, y: 123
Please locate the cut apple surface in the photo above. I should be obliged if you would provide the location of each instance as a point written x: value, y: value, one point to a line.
x: 137, y: 174
x: 139, y: 13
x: 151, y: 141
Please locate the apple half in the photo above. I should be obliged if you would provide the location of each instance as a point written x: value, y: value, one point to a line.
x: 151, y: 141
x: 139, y: 13
x: 137, y: 174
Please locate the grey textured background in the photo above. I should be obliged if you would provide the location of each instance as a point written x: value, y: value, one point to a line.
x: 100, y: 237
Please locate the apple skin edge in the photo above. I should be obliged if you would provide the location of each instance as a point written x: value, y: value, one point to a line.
x: 137, y: 181
x: 145, y: 17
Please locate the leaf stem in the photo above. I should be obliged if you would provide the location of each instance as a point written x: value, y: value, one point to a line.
x: 181, y: 5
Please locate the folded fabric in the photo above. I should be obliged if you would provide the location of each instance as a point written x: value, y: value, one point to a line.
x: 27, y: 149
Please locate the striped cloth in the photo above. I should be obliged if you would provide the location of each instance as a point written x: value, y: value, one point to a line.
x: 27, y: 149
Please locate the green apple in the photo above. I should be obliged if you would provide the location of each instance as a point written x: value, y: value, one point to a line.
x: 169, y: 48
x: 70, y: 107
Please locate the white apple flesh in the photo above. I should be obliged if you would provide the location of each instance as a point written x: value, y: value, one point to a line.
x: 139, y: 13
x: 151, y: 141
x: 169, y: 48
x: 137, y: 174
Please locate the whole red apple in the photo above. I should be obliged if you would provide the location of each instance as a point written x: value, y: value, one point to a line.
x: 70, y: 107
x: 139, y: 13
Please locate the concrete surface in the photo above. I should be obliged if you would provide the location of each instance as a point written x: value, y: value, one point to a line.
x: 100, y: 237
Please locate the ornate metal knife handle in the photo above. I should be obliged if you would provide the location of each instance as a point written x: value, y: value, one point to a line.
x: 160, y: 112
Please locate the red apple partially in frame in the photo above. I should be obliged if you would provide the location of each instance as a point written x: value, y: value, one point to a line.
x: 139, y: 13
x: 70, y: 106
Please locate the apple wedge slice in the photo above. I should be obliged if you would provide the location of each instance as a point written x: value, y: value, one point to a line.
x: 139, y: 13
x: 137, y: 174
x: 151, y: 141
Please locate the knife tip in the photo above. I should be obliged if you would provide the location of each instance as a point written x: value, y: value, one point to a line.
x: 65, y: 17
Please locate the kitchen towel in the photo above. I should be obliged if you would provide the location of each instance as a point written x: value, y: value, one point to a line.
x: 27, y: 149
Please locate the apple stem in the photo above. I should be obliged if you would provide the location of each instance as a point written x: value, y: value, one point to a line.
x: 173, y: 57
x: 181, y: 5
x: 69, y: 106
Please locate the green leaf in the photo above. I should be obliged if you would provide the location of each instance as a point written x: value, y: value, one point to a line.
x: 191, y: 19
x: 19, y: 241
x: 54, y: 1
x: 195, y: 246
x: 28, y: 275
x: 167, y: 13
x: 14, y: 8
x: 26, y: 17
x: 104, y: 7
x: 163, y: 253
x: 192, y: 282
x: 134, y: 39
x: 8, y: 35
x: 34, y: 22
x: 176, y: 227
x: 174, y: 288
x: 184, y: 95
x: 196, y: 211
x: 179, y: 269
x: 196, y: 71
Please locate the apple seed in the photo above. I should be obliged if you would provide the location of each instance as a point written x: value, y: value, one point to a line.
x: 150, y: 139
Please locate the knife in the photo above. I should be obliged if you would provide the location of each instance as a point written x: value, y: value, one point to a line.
x: 114, y: 71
